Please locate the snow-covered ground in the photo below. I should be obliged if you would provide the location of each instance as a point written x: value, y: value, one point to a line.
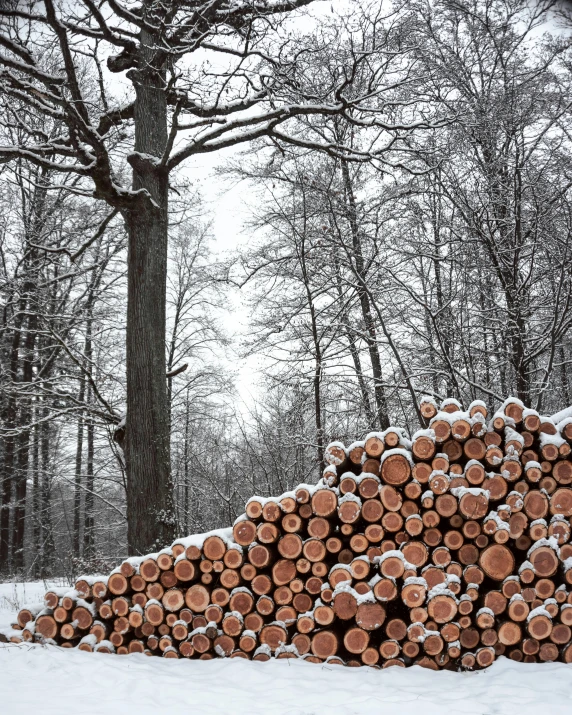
x: 53, y: 681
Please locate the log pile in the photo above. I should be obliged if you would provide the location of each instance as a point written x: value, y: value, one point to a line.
x: 445, y: 550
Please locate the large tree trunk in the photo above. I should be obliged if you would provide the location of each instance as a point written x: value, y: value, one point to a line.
x: 150, y: 513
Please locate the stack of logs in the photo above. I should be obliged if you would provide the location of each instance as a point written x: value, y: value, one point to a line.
x: 446, y: 550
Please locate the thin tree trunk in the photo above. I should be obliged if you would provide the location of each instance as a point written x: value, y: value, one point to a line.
x: 354, y: 352
x: 36, y: 497
x: 21, y: 491
x: 517, y: 334
x: 78, y: 473
x: 443, y: 322
x: 24, y: 422
x: 89, y: 519
x: 317, y: 379
x: 564, y: 375
x: 431, y: 341
x: 485, y: 330
x: 499, y: 359
x: 369, y: 322
x: 8, y: 470
x: 28, y: 321
x: 187, y: 485
x: 47, y: 537
x: 9, y: 422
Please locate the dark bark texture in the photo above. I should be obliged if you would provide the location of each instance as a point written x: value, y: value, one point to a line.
x: 149, y: 490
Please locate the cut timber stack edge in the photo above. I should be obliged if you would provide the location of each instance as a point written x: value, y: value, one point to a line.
x: 445, y: 550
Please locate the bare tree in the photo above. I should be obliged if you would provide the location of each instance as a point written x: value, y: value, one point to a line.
x: 502, y: 189
x: 257, y: 85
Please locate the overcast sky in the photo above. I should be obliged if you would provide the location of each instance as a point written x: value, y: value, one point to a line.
x: 228, y: 205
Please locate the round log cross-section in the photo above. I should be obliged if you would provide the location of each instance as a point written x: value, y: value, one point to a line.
x: 497, y: 561
x: 395, y: 470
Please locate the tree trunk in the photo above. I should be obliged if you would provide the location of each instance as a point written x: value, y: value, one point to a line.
x: 369, y: 323
x: 29, y: 301
x: 36, y: 498
x: 186, y: 456
x: 78, y: 474
x: 563, y: 372
x: 6, y: 487
x: 23, y: 444
x: 89, y: 521
x: 516, y: 329
x: 9, y: 421
x: 317, y: 379
x: 47, y: 537
x: 354, y: 352
x: 149, y: 488
x: 444, y: 323
x: 21, y: 491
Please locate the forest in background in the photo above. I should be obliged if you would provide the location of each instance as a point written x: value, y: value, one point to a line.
x: 440, y: 265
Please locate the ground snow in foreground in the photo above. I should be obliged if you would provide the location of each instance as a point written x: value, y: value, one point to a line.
x: 52, y: 681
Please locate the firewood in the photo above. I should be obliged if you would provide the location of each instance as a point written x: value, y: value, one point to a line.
x: 118, y: 584
x: 319, y: 528
x: 173, y: 600
x: 260, y: 556
x: 509, y: 633
x: 154, y: 591
x: 149, y: 570
x: 244, y: 532
x: 395, y: 470
x: 356, y: 640
x: 120, y: 606
x: 302, y: 643
x: 442, y: 608
x: 230, y: 578
x: 324, y: 503
x: 197, y: 598
x: 267, y: 533
x: 370, y: 616
x: 539, y: 626
x: 433, y: 644
x: 323, y: 566
x: 544, y: 561
x: 324, y: 644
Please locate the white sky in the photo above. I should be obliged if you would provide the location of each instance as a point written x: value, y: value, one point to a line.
x: 228, y: 205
